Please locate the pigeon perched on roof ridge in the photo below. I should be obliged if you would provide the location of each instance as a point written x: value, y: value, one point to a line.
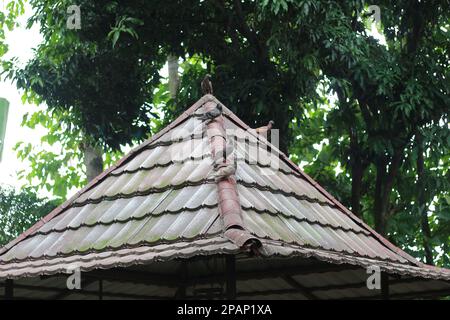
x: 223, y: 154
x: 266, y: 128
x: 212, y: 114
x: 225, y: 170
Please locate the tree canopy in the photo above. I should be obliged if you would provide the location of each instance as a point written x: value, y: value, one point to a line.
x: 19, y: 210
x: 367, y: 118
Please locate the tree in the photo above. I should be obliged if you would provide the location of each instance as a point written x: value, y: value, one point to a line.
x: 57, y: 165
x: 311, y: 66
x: 19, y: 210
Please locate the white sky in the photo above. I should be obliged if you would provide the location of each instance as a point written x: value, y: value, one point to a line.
x: 21, y: 42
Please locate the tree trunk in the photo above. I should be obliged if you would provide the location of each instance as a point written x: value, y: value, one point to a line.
x: 356, y: 161
x: 357, y: 173
x: 383, y: 188
x: 421, y: 201
x: 92, y: 160
x: 379, y: 201
x: 174, y: 79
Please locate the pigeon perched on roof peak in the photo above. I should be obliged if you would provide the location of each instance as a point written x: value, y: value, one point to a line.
x: 207, y: 85
x: 214, y: 113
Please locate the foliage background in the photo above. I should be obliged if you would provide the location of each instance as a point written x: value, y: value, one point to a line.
x: 368, y: 119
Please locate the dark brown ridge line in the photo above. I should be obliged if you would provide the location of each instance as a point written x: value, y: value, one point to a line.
x: 285, y: 193
x: 344, y: 252
x: 202, y: 135
x: 142, y: 193
x: 204, y: 156
x: 161, y: 165
x: 110, y: 248
x: 322, y: 224
x: 123, y: 221
x: 193, y: 136
x: 199, y: 136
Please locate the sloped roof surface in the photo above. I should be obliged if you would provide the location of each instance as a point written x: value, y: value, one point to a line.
x: 279, y: 204
x: 160, y: 203
x: 162, y: 194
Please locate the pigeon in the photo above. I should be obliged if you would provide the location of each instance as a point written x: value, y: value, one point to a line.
x: 225, y: 170
x: 207, y: 85
x: 211, y: 115
x: 223, y: 154
x: 265, y: 129
x: 253, y: 245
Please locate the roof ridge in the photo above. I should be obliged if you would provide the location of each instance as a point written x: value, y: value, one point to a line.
x: 58, y: 210
x: 230, y: 208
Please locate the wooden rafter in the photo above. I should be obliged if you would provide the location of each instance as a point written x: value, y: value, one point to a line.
x: 300, y: 288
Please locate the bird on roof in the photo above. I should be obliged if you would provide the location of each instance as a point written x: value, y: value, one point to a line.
x: 225, y: 170
x: 207, y: 85
x: 214, y: 113
x: 223, y: 154
x: 264, y: 129
x: 253, y: 246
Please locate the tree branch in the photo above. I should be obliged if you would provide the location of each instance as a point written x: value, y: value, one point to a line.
x: 248, y: 33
